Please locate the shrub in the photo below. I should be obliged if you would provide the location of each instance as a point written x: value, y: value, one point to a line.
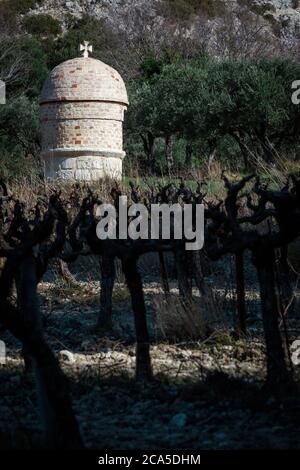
x: 21, y: 6
x: 10, y: 11
x: 15, y: 164
x: 177, y: 321
x: 86, y: 28
x: 258, y: 8
x: 31, y: 77
x: 19, y: 136
x: 42, y: 25
x: 185, y: 8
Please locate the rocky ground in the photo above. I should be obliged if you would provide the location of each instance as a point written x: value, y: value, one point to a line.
x: 207, y: 394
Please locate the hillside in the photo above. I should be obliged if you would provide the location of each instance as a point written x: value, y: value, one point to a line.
x: 284, y: 12
x: 222, y: 28
x: 281, y: 14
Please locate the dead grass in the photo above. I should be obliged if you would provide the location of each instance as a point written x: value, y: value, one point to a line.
x: 205, y: 315
x: 176, y: 320
x: 82, y: 292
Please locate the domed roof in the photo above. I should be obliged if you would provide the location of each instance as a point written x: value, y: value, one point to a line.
x: 84, y: 79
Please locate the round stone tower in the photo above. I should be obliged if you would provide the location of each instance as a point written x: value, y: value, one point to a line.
x: 82, y: 111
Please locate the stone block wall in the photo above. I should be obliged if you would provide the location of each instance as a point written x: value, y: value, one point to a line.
x: 84, y: 168
x: 82, y: 140
x: 81, y: 125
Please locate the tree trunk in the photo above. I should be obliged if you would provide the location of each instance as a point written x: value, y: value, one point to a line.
x: 26, y: 285
x: 277, y: 373
x: 182, y: 263
x: 64, y: 272
x: 107, y: 266
x: 198, y: 271
x: 135, y: 286
x: 148, y: 143
x: 188, y: 155
x: 60, y: 427
x: 240, y: 294
x: 268, y: 151
x: 163, y: 273
x: 284, y: 282
x: 169, y: 143
x: 243, y: 148
x: 211, y: 159
x: 27, y: 299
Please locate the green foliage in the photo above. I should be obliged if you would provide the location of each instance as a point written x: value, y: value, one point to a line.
x: 10, y: 11
x: 251, y: 101
x: 36, y: 61
x: 86, y: 29
x: 19, y: 124
x: 42, y: 25
x: 240, y: 108
x: 19, y: 134
x: 153, y: 63
x: 151, y: 66
x: 167, y: 104
x: 20, y: 6
x: 14, y: 164
x: 34, y: 69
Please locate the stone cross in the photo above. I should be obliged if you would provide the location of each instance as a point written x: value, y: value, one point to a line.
x: 86, y: 48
